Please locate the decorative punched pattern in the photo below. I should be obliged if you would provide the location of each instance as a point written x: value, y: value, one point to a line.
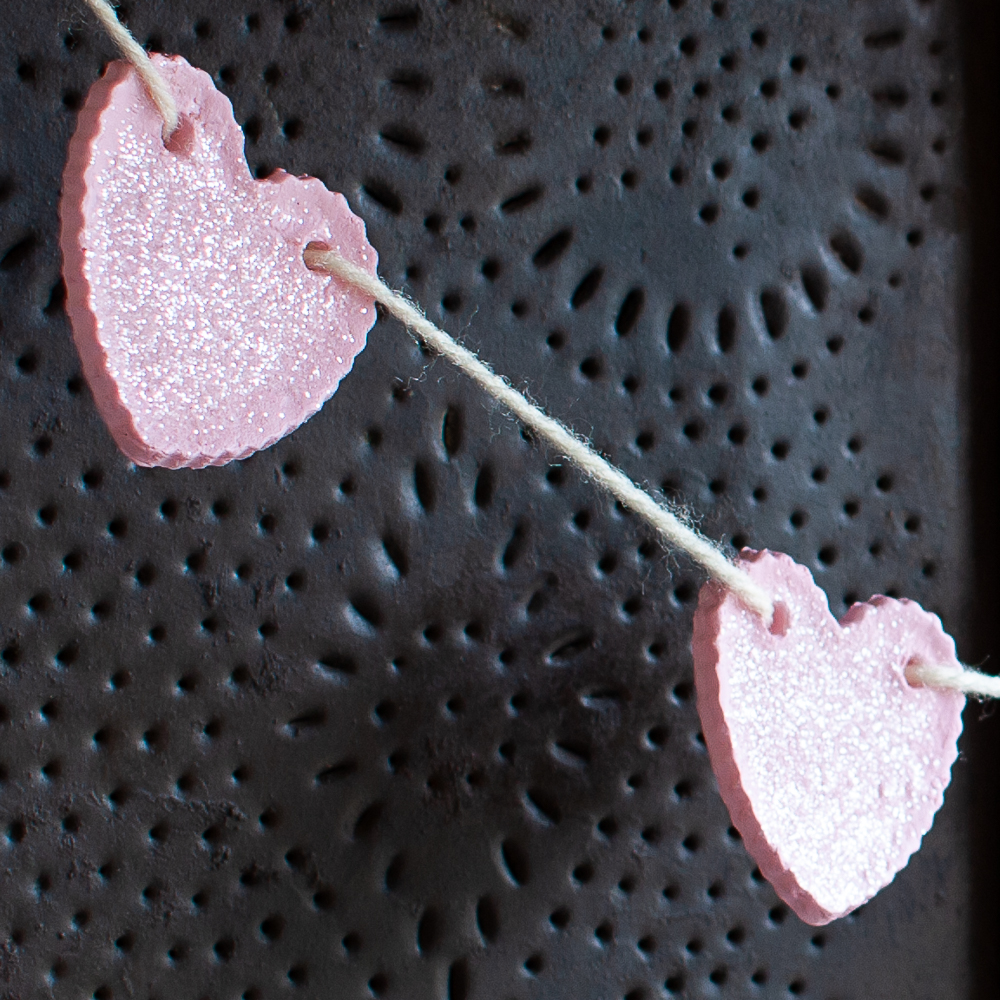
x: 402, y: 707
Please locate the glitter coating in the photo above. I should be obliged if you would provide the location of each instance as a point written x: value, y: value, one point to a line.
x: 202, y: 334
x: 831, y: 764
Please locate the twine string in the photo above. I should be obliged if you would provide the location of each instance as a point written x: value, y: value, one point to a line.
x: 157, y: 87
x: 669, y: 524
x: 966, y: 680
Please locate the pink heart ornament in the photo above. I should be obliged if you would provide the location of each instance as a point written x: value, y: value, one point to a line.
x: 201, y: 332
x: 831, y: 764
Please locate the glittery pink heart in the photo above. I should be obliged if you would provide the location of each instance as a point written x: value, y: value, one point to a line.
x: 831, y: 763
x: 201, y: 332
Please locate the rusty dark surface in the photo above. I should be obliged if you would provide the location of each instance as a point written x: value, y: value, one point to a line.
x: 402, y: 707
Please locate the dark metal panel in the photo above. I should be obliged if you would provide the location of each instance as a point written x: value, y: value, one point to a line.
x: 402, y: 707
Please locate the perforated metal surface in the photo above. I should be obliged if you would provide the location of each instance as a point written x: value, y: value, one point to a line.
x: 401, y: 708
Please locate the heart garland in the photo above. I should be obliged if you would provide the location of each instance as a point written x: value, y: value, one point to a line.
x: 202, y: 333
x: 831, y: 763
x: 206, y: 334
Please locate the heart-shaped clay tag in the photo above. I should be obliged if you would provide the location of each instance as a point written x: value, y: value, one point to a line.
x: 201, y: 332
x: 831, y: 764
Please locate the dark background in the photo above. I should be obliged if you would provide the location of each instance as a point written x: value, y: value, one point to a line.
x: 402, y: 707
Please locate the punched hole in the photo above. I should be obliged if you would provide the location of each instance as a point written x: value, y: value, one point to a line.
x: 180, y: 142
x: 913, y: 674
x: 782, y: 620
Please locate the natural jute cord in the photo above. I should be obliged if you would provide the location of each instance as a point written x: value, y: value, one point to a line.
x: 668, y: 524
x: 137, y: 56
x: 673, y: 530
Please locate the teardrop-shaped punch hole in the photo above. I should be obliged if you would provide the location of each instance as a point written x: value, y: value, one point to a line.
x: 180, y: 142
x: 781, y: 622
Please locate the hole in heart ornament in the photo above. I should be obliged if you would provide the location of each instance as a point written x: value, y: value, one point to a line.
x: 831, y: 763
x: 202, y: 334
